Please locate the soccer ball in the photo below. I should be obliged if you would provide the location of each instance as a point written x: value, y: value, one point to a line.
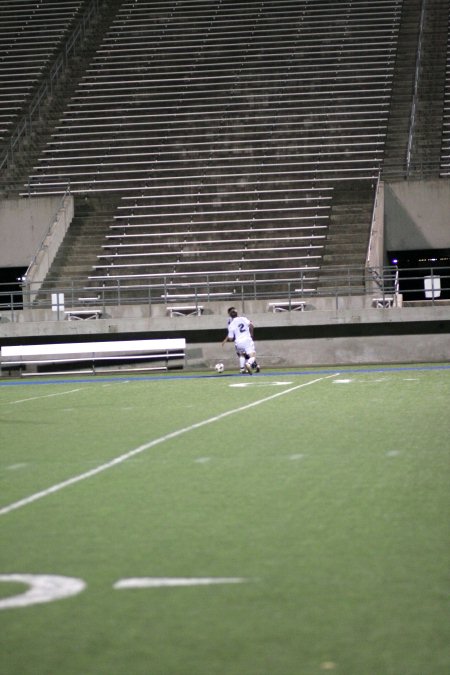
x: 219, y: 367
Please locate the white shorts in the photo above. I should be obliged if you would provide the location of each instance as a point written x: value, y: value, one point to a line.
x: 246, y: 346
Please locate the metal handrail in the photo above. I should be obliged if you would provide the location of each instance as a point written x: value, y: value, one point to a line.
x: 412, y: 120
x: 373, y: 233
x: 42, y: 244
x: 336, y: 282
x: 25, y: 124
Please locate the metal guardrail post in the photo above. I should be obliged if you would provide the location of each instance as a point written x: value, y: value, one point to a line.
x: 150, y: 296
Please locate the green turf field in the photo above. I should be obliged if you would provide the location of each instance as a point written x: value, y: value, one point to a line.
x: 280, y: 524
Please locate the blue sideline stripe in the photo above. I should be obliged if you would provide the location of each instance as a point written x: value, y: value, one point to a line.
x: 95, y: 379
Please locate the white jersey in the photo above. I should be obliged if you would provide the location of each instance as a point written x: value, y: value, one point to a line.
x: 239, y: 331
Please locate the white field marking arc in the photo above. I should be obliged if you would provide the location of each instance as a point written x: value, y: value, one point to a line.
x: 166, y: 582
x: 44, y: 588
x: 41, y: 588
x: 36, y: 398
x: 151, y: 444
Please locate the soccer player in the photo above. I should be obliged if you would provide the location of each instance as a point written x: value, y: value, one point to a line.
x: 241, y: 332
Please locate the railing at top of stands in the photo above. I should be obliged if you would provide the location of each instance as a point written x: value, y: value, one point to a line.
x: 412, y: 120
x: 25, y: 124
x: 383, y: 287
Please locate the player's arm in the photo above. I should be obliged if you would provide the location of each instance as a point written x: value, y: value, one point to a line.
x: 227, y: 338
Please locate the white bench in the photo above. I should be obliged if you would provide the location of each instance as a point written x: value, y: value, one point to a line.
x: 123, y: 354
x: 286, y: 306
x: 185, y: 310
x: 383, y: 303
x: 82, y: 314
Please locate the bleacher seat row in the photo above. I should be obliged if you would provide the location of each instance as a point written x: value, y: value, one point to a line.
x: 237, y: 118
x: 31, y: 32
x: 164, y: 73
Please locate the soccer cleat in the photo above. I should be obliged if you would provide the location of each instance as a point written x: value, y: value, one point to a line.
x: 248, y: 368
x: 255, y: 367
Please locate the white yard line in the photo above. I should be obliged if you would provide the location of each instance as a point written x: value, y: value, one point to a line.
x: 151, y: 444
x: 167, y: 582
x: 36, y: 398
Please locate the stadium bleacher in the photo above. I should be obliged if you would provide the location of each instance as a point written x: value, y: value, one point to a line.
x: 296, y: 90
x: 445, y: 147
x: 31, y: 33
x: 225, y: 130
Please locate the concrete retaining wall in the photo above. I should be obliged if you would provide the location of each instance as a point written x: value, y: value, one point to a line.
x: 417, y: 215
x: 23, y: 224
x: 355, y: 335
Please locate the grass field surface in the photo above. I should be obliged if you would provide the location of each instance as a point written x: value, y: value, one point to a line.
x: 288, y: 523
